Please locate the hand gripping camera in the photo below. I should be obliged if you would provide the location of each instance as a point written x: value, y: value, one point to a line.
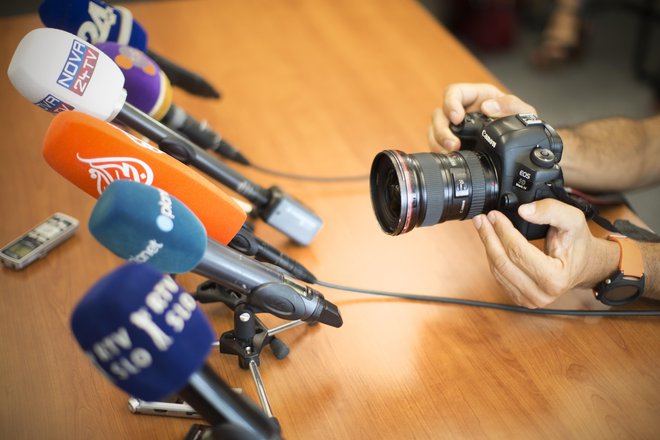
x: 502, y: 164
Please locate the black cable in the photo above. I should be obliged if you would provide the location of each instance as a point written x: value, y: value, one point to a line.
x: 310, y: 178
x: 490, y: 305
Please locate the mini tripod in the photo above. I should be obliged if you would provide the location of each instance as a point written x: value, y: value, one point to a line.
x: 249, y: 335
x: 246, y: 340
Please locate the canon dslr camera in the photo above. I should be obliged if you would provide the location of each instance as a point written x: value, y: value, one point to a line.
x: 502, y: 164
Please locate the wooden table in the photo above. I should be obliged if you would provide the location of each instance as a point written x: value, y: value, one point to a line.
x: 319, y: 87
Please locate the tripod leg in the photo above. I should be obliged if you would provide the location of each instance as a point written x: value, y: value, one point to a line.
x: 261, y: 390
x: 279, y: 329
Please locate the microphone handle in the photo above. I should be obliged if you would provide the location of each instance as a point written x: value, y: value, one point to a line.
x: 266, y: 288
x: 217, y: 403
x: 185, y: 79
x: 247, y: 243
x: 272, y: 255
x: 187, y: 152
x: 234, y: 270
x: 201, y: 134
x: 177, y: 119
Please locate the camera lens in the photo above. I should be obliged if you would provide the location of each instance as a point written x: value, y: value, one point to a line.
x: 424, y: 189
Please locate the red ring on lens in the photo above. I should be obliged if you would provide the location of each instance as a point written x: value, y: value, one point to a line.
x: 406, y: 179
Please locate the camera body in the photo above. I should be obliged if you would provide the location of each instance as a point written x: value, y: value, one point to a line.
x: 525, y: 153
x: 502, y: 164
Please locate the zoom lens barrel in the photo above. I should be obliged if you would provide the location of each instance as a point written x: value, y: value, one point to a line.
x: 423, y: 189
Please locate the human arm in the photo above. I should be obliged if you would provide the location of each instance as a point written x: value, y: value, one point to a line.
x: 573, y: 257
x: 597, y: 155
x: 610, y: 154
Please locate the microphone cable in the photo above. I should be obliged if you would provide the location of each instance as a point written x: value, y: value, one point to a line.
x: 325, y: 179
x: 242, y: 160
x: 491, y: 305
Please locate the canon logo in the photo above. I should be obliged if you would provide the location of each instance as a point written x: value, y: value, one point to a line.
x: 488, y: 138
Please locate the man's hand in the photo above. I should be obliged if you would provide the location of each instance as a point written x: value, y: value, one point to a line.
x: 573, y: 257
x: 465, y: 97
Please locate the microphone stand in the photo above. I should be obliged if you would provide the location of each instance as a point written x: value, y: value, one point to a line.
x: 249, y: 336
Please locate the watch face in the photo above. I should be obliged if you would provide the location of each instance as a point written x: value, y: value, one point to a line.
x: 622, y: 294
x: 620, y: 290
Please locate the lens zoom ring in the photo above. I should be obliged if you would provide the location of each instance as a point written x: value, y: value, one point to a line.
x: 434, y: 188
x: 478, y: 183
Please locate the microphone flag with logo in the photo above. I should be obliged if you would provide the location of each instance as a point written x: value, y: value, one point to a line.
x: 92, y: 154
x: 174, y: 241
x: 143, y: 331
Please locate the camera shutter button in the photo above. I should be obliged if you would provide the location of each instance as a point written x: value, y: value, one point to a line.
x: 543, y: 157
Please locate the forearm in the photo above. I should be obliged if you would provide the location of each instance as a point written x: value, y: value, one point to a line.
x: 651, y: 254
x: 612, y: 154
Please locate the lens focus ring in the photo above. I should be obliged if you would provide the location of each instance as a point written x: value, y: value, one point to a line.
x: 478, y: 183
x: 435, y: 187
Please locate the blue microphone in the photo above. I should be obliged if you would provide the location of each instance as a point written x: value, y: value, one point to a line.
x: 141, y: 223
x: 94, y: 21
x: 149, y: 337
x: 97, y: 22
x: 158, y: 217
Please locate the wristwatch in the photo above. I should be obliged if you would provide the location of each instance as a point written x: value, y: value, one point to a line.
x: 626, y: 284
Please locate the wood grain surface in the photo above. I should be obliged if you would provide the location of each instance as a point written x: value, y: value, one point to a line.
x: 320, y: 87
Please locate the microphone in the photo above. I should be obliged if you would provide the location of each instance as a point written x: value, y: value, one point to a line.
x: 97, y: 22
x: 149, y: 90
x: 130, y: 220
x: 92, y: 83
x: 148, y: 336
x: 92, y: 154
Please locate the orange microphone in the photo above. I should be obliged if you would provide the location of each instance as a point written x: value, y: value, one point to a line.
x: 92, y: 153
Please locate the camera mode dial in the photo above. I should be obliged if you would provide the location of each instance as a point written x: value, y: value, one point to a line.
x: 543, y: 157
